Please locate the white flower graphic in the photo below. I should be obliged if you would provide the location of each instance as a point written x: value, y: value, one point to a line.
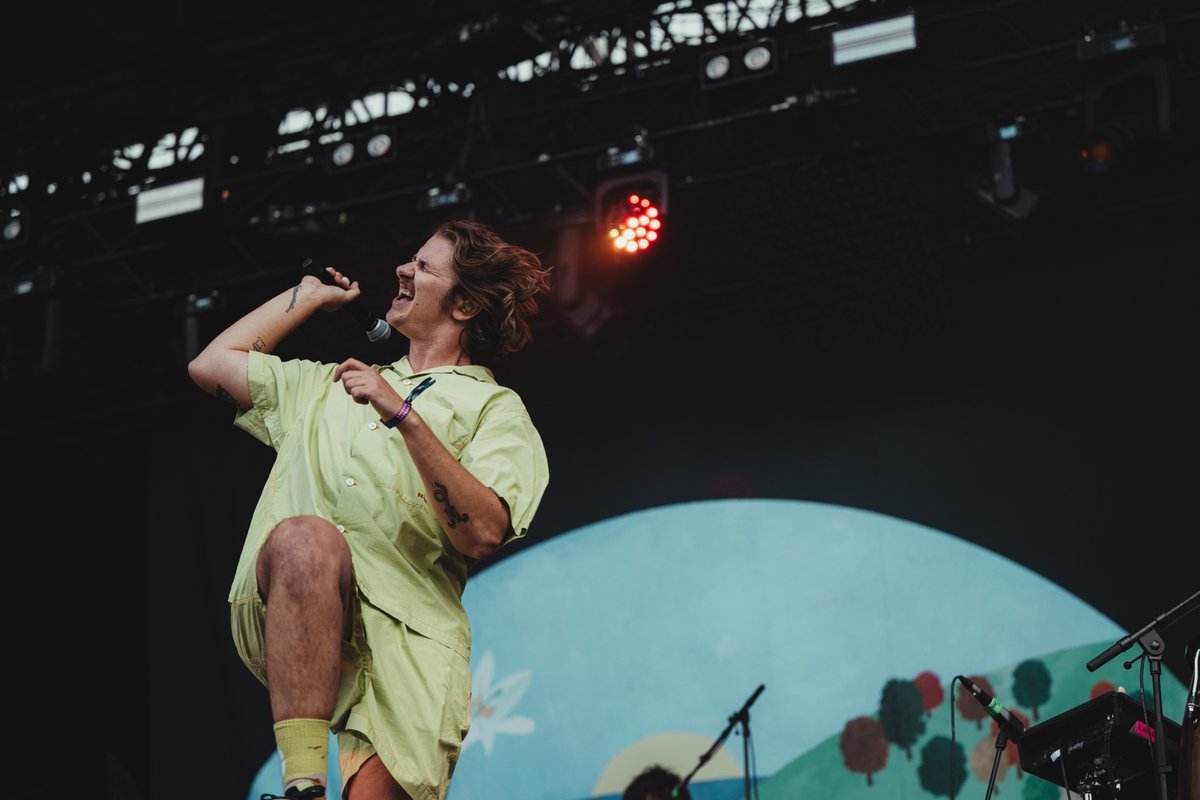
x: 492, y: 706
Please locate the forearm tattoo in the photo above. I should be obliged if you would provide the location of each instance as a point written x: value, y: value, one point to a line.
x: 223, y: 394
x: 295, y: 292
x: 259, y: 345
x: 442, y: 496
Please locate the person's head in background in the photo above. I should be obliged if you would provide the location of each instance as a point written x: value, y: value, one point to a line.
x: 655, y: 783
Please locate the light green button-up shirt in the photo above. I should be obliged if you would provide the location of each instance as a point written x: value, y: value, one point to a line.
x: 336, y: 460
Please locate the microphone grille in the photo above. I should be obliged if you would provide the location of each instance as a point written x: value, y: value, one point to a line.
x: 380, y: 333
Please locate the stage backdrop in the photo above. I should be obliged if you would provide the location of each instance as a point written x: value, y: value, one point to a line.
x: 635, y: 640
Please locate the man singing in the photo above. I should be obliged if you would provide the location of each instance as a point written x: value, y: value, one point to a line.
x: 388, y: 482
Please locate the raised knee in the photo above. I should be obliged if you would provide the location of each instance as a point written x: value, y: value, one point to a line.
x: 305, y: 546
x: 304, y: 529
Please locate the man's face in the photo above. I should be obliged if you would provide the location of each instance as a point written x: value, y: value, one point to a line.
x: 420, y: 308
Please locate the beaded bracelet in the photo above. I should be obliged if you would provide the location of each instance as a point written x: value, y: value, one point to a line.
x: 404, y: 409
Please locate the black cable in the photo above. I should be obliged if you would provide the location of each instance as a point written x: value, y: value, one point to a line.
x: 951, y: 759
x: 1062, y: 762
x: 1150, y: 732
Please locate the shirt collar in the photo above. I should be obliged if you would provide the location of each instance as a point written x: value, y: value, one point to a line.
x: 476, y: 371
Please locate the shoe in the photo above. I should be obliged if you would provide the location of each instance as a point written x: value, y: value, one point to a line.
x: 313, y: 792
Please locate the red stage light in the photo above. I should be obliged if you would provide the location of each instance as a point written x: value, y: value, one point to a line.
x: 635, y: 224
x: 628, y: 209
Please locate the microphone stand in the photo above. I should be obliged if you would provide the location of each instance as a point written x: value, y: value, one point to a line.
x: 742, y: 717
x: 1153, y: 647
x: 1001, y: 743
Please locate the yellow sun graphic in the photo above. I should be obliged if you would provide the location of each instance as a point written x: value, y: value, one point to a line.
x: 678, y: 752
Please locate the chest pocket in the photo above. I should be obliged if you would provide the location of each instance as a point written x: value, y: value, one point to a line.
x: 450, y: 427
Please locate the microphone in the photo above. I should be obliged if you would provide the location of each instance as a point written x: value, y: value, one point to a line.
x: 1007, y: 722
x: 377, y: 329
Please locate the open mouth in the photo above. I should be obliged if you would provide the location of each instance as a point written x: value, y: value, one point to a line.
x: 404, y: 296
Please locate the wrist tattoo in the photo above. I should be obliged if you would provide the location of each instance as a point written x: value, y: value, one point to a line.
x: 223, y: 394
x: 442, y: 496
x: 295, y: 292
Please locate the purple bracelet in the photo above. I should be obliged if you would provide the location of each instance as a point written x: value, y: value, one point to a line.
x: 404, y: 409
x: 400, y: 415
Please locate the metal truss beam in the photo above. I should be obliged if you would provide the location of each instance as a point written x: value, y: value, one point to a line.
x: 530, y: 149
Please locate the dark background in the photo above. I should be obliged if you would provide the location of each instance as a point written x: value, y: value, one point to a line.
x: 833, y: 313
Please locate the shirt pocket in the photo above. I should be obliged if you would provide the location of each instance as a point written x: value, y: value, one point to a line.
x: 453, y: 428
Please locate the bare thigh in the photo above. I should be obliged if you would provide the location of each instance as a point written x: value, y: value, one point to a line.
x: 374, y: 782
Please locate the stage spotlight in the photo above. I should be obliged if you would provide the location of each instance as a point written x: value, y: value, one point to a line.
x: 440, y: 197
x: 636, y: 152
x: 343, y: 155
x: 41, y: 281
x: 379, y: 145
x: 753, y: 59
x: 1001, y: 190
x: 635, y: 225
x: 355, y: 150
x: 716, y: 67
x: 15, y: 227
x: 1102, y: 149
x: 630, y: 212
x: 1125, y: 38
x: 1127, y: 117
x: 757, y: 58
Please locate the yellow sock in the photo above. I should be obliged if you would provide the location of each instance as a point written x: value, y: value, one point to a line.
x: 304, y: 749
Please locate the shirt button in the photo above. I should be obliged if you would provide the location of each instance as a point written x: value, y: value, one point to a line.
x: 408, y: 382
x: 341, y: 528
x: 372, y: 425
x: 349, y: 481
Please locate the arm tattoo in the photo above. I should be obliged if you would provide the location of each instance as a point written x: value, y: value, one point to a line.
x: 295, y: 292
x: 223, y: 394
x: 452, y: 516
x: 259, y: 345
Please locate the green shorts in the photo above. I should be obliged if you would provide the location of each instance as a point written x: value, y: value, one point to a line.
x: 402, y: 696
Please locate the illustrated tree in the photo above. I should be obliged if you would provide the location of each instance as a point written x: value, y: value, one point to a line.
x: 864, y: 746
x: 932, y: 693
x: 982, y: 756
x: 1012, y: 755
x: 1031, y: 684
x: 940, y: 758
x: 1101, y: 687
x: 968, y: 706
x: 900, y: 712
x: 1038, y: 789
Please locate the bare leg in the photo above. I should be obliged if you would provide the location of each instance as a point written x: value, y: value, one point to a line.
x: 374, y: 782
x: 305, y: 578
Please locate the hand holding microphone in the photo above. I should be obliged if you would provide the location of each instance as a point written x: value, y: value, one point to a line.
x: 377, y: 330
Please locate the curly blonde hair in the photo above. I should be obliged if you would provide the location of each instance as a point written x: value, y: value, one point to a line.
x: 502, y: 280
